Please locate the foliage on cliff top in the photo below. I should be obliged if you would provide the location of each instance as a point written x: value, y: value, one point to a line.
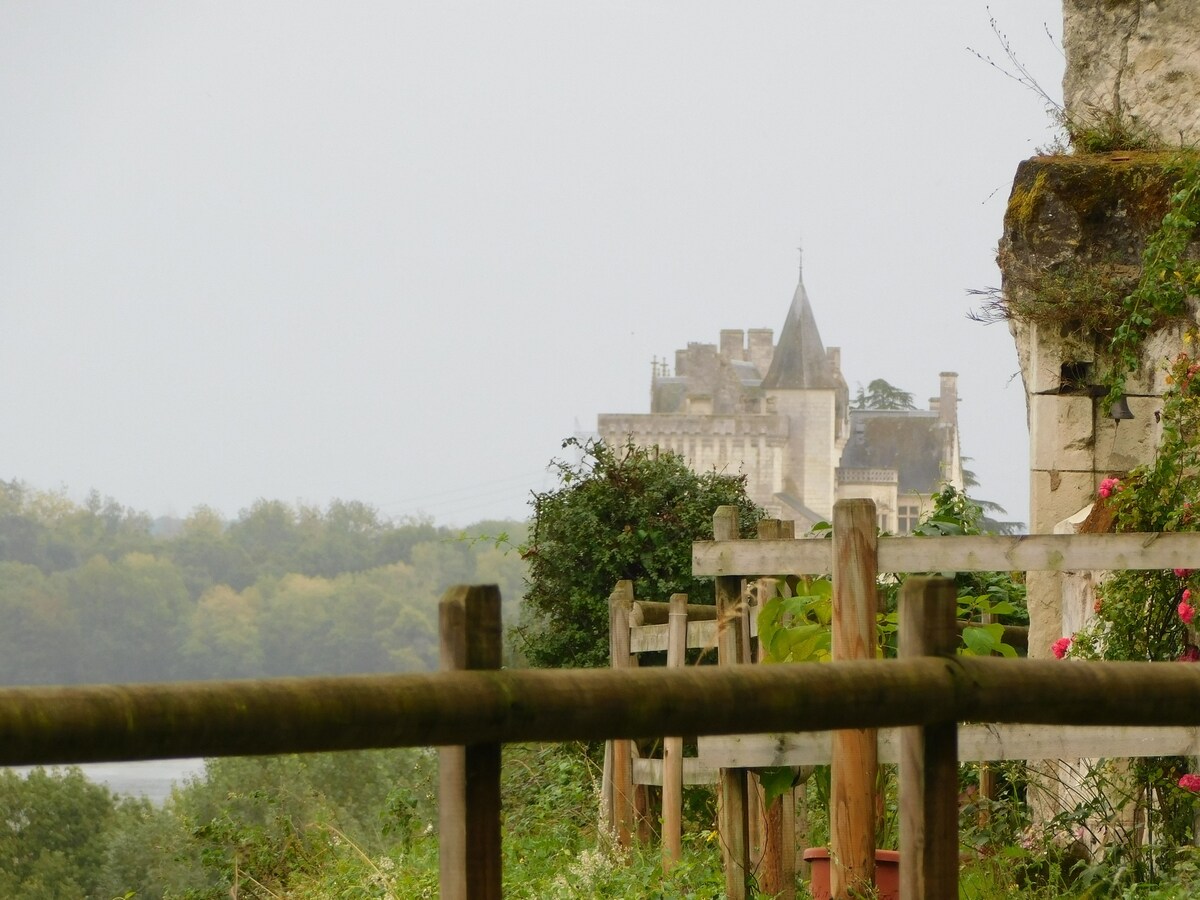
x: 1108, y: 301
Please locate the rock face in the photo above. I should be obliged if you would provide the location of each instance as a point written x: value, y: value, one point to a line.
x: 1073, y: 238
x: 1137, y: 61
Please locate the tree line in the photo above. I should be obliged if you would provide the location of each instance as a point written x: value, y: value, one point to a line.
x: 98, y: 592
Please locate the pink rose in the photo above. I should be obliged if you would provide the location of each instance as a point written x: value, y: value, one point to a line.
x: 1186, y: 612
x: 1190, y: 782
x: 1060, y: 647
x: 1191, y: 653
x: 1182, y: 573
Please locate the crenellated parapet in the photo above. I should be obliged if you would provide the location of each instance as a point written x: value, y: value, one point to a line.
x: 639, y: 425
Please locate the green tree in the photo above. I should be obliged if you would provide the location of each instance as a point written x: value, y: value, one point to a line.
x: 881, y: 395
x: 52, y: 833
x: 206, y: 555
x: 40, y: 640
x: 345, y: 539
x: 132, y: 614
x: 625, y: 513
x: 269, y: 535
x: 223, y: 636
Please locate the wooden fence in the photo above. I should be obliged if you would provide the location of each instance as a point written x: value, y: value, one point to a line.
x: 485, y: 708
x: 856, y: 557
x: 927, y: 692
x: 759, y: 842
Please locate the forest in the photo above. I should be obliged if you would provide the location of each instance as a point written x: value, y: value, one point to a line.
x: 97, y: 592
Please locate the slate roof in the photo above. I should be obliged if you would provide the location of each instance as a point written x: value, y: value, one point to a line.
x: 909, y: 441
x: 800, y: 362
x: 792, y: 502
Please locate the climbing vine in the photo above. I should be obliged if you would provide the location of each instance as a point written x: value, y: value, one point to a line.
x: 1168, y: 276
x: 1137, y: 613
x: 1148, y: 616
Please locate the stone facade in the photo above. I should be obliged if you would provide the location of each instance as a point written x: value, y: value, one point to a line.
x: 780, y: 414
x: 1135, y: 61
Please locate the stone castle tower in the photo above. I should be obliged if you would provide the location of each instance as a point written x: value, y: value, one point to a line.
x: 780, y: 414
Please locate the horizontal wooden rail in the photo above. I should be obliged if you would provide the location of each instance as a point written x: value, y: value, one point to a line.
x: 984, y: 553
x: 656, y: 612
x: 653, y: 638
x: 702, y: 635
x: 695, y: 771
x: 976, y: 743
x: 159, y: 721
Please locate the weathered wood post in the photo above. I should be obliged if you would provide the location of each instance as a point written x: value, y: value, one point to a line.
x: 855, y: 754
x: 469, y: 777
x: 775, y: 838
x: 731, y: 786
x: 672, y: 787
x: 987, y: 774
x: 620, y: 602
x: 929, y: 754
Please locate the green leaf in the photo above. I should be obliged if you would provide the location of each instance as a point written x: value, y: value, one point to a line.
x: 776, y: 781
x: 979, y: 641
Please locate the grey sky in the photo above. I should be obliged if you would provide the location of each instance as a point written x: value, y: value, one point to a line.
x: 393, y: 251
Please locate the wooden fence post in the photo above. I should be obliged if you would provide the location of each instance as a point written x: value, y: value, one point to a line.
x: 469, y: 777
x: 672, y: 787
x: 855, y: 753
x: 731, y: 786
x: 987, y: 774
x: 620, y: 602
x: 929, y: 754
x: 775, y: 838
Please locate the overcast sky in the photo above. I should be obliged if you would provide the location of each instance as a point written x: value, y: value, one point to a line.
x: 396, y: 252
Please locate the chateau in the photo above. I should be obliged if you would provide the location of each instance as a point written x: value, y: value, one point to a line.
x: 780, y: 414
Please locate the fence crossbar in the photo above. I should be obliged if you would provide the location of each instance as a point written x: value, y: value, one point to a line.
x: 102, y: 723
x: 974, y: 553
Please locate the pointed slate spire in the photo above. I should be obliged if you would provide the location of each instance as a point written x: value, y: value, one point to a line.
x: 800, y: 362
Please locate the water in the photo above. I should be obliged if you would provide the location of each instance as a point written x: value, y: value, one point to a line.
x: 152, y: 779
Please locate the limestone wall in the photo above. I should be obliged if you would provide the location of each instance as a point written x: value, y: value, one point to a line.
x: 1137, y: 60
x: 812, y: 451
x: 1074, y: 233
x: 753, y: 445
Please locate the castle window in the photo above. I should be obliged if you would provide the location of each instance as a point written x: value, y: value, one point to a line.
x: 908, y: 517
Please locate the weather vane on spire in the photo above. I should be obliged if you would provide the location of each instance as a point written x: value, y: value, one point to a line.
x: 800, y: 260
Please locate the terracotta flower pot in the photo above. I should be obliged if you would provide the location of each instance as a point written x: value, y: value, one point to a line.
x: 887, y: 873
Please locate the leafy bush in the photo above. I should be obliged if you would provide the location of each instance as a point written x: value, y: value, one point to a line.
x: 620, y: 513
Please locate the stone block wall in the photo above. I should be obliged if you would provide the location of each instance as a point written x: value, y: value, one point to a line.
x: 1137, y: 61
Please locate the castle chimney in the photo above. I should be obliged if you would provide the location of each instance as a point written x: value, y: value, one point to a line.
x: 762, y: 348
x: 733, y: 344
x: 948, y: 401
x: 834, y: 355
